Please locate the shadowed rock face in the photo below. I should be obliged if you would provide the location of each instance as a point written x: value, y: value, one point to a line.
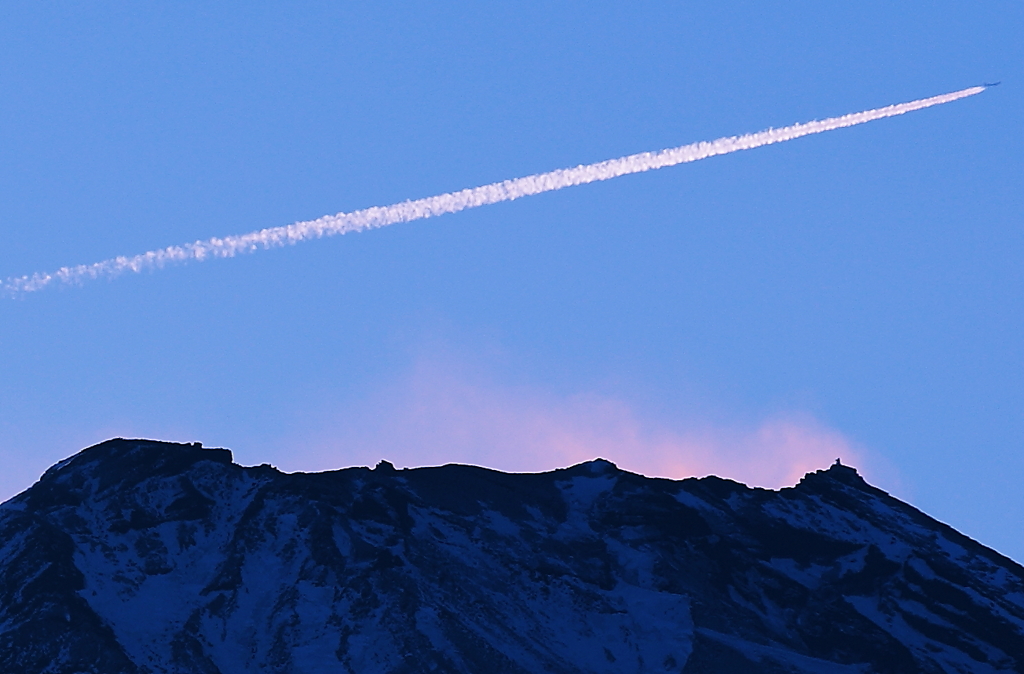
x: 140, y: 556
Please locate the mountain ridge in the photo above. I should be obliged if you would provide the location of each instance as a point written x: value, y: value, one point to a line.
x: 144, y: 556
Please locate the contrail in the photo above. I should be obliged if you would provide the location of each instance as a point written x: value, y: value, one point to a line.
x: 452, y: 202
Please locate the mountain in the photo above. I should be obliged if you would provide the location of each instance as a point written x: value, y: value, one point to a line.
x: 140, y: 556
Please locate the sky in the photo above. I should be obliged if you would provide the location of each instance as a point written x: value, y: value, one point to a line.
x: 855, y: 294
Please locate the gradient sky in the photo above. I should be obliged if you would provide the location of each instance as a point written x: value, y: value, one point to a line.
x: 854, y: 294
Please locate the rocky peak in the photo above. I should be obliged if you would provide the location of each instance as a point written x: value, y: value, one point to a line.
x: 141, y: 556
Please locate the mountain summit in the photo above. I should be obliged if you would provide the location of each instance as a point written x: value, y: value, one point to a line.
x: 136, y: 556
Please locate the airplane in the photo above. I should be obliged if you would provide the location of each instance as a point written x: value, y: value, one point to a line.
x: 991, y: 84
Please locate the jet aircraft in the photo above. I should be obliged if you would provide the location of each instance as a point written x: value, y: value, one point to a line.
x: 992, y: 84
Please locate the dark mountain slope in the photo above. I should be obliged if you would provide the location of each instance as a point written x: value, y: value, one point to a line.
x: 140, y: 556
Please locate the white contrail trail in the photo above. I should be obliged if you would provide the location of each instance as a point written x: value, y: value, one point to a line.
x: 381, y: 216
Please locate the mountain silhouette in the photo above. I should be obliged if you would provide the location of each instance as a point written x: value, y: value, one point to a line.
x: 137, y: 556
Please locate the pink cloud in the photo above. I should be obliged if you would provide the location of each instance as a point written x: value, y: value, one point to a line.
x: 442, y: 414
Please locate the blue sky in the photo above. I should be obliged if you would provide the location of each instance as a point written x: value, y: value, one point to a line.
x: 858, y: 292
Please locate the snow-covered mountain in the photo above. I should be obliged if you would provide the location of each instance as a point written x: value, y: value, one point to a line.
x: 141, y: 556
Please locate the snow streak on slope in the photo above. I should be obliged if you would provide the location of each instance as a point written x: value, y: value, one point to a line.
x: 452, y: 202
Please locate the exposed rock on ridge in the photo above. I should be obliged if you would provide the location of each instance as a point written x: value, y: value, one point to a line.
x: 140, y: 556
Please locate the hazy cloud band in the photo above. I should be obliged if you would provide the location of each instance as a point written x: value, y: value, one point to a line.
x: 452, y: 202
